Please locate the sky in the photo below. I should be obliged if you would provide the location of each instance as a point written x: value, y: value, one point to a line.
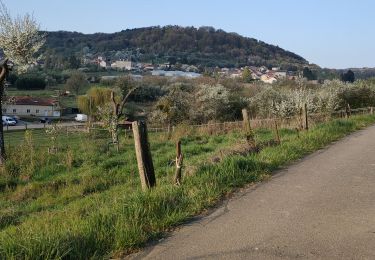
x: 330, y: 33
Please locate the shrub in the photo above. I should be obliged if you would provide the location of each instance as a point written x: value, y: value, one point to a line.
x: 30, y: 83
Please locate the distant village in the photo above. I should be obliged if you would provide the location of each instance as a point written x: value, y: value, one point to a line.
x: 25, y: 106
x: 262, y: 73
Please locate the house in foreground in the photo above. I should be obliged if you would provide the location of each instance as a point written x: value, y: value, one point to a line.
x: 32, y: 106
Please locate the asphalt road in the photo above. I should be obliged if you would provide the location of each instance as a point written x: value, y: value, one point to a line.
x: 322, y: 207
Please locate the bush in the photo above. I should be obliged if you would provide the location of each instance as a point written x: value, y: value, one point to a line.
x: 12, y: 78
x: 30, y: 83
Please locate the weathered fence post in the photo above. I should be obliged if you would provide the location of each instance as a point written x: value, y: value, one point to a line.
x: 300, y: 121
x: 246, y: 121
x: 247, y: 127
x: 306, y: 118
x: 348, y: 111
x: 277, y: 132
x: 143, y: 153
x: 25, y: 126
x: 371, y: 110
x: 179, y: 160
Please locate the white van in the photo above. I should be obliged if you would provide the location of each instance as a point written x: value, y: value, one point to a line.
x: 7, y: 120
x: 81, y: 118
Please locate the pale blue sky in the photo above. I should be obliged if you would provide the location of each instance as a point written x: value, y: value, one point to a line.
x: 330, y: 33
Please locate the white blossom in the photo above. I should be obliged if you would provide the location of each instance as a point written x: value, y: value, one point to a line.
x: 20, y: 38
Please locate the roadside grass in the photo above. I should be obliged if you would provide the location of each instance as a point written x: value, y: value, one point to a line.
x: 94, y: 207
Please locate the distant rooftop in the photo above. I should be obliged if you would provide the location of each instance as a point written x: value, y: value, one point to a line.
x: 27, y: 100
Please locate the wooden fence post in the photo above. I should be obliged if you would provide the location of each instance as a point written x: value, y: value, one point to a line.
x: 306, y: 118
x: 143, y: 153
x: 300, y: 121
x: 246, y: 124
x: 348, y: 111
x: 179, y: 160
x: 277, y: 132
x: 371, y: 110
x: 246, y: 121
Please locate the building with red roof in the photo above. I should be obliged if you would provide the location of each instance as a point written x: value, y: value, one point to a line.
x: 32, y: 106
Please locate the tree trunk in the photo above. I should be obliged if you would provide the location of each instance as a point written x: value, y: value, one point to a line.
x: 2, y: 146
x: 3, y: 74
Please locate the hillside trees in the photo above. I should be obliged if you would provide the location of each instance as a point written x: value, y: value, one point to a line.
x: 77, y: 82
x: 30, y: 82
x: 347, y: 76
x: 308, y: 74
x: 173, y: 108
x: 207, y: 47
x: 20, y: 39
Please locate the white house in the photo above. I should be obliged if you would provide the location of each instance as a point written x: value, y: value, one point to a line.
x: 32, y: 106
x: 123, y: 65
x: 268, y: 78
x: 101, y: 61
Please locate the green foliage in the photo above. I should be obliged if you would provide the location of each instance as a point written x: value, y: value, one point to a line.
x: 74, y: 63
x: 30, y: 82
x: 125, y: 84
x: 308, y: 74
x: 95, y: 97
x: 172, y: 108
x: 12, y: 78
x: 77, y: 82
x: 246, y: 75
x: 348, y: 76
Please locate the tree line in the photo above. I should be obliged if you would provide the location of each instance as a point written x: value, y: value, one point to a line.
x: 204, y: 46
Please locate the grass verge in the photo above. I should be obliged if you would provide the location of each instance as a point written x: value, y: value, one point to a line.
x: 119, y: 221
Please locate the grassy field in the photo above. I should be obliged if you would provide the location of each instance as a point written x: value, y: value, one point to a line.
x: 86, y: 202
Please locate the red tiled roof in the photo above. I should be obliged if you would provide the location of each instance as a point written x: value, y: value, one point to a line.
x: 37, y: 101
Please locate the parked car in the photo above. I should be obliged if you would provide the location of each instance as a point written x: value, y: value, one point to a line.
x: 16, y: 118
x: 45, y: 120
x: 81, y: 118
x: 7, y: 120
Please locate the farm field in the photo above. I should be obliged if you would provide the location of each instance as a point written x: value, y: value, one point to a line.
x: 85, y: 201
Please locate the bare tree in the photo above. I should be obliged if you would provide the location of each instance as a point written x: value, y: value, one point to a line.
x: 20, y: 39
x: 111, y: 113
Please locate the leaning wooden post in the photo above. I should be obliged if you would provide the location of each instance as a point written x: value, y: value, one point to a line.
x: 306, y: 118
x: 179, y: 160
x: 277, y: 132
x: 247, y: 127
x: 143, y: 153
x: 350, y: 110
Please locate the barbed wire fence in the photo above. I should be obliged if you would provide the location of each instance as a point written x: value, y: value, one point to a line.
x: 69, y: 134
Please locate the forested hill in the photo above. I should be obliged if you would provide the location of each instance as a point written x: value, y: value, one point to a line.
x: 203, y: 46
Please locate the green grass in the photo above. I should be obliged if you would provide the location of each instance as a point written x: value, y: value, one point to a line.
x: 86, y: 202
